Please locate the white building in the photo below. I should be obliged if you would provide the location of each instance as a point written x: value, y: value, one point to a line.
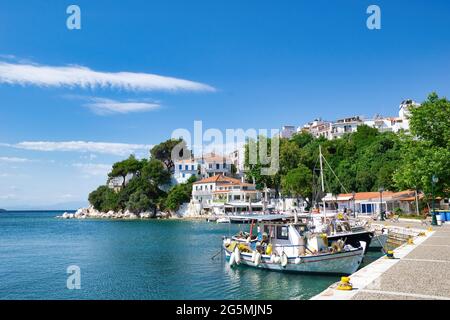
x: 208, y: 165
x: 318, y: 128
x: 344, y: 126
x: 237, y: 158
x: 213, y: 164
x: 184, y: 169
x: 287, y: 132
x: 220, y: 194
x: 333, y: 130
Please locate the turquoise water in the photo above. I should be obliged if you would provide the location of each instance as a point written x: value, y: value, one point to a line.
x: 132, y: 260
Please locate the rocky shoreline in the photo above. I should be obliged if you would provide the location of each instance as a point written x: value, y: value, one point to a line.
x: 91, y: 213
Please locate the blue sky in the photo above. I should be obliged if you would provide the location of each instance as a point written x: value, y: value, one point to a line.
x: 231, y: 64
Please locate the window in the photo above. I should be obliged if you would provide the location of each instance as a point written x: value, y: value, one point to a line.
x: 210, y: 166
x: 184, y: 175
x: 186, y: 167
x: 217, y: 166
x: 224, y: 165
x: 192, y: 167
x: 180, y: 167
x: 282, y: 233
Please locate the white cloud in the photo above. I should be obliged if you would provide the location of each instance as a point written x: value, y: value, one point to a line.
x: 93, y: 169
x: 8, y: 196
x: 83, y: 77
x: 13, y: 159
x: 118, y: 149
x: 104, y: 106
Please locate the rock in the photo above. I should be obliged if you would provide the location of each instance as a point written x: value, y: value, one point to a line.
x: 145, y: 215
x: 133, y: 216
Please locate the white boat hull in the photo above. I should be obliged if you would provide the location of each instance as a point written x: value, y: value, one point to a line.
x: 346, y: 262
x: 223, y: 220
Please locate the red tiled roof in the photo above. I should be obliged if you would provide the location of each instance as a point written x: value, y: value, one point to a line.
x: 366, y: 195
x: 221, y: 179
x: 375, y: 195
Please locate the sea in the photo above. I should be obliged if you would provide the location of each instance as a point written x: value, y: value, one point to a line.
x: 42, y: 257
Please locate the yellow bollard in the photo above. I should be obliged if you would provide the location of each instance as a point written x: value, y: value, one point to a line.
x: 430, y: 229
x: 390, y: 254
x: 422, y: 234
x: 410, y: 241
x: 345, y: 284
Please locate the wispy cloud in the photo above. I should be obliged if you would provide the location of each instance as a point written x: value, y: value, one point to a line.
x: 118, y: 149
x: 14, y: 159
x: 10, y: 196
x: 83, y: 77
x: 93, y: 169
x: 102, y: 106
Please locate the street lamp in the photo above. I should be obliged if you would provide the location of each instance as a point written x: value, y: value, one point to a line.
x: 354, y: 204
x: 381, y: 190
x: 434, y: 180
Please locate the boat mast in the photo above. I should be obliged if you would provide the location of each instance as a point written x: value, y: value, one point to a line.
x: 321, y: 180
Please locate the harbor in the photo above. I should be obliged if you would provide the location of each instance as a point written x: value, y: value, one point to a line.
x: 416, y: 270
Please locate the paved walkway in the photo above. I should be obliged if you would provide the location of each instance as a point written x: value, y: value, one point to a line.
x: 421, y: 271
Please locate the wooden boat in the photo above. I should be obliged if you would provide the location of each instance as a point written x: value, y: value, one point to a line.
x: 284, y: 245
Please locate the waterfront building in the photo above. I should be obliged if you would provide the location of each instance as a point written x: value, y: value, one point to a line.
x: 208, y: 165
x: 213, y: 164
x: 220, y: 194
x: 368, y: 203
x: 184, y: 169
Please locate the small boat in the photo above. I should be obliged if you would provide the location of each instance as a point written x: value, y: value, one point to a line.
x: 339, y: 229
x: 336, y: 227
x: 379, y: 240
x: 211, y: 219
x: 223, y: 220
x: 289, y: 246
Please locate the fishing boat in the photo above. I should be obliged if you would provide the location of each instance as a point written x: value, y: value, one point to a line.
x: 283, y: 243
x: 379, y: 239
x: 335, y: 225
x: 341, y: 229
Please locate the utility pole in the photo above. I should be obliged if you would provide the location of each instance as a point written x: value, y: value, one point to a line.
x: 434, y: 180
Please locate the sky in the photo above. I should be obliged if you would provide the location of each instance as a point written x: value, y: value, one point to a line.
x: 72, y: 102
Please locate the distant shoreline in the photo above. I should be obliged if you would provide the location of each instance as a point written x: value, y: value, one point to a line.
x: 40, y: 210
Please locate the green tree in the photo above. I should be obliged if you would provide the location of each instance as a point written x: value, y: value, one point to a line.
x: 167, y: 150
x: 430, y: 154
x: 302, y: 139
x: 124, y: 168
x: 298, y: 183
x: 139, y: 202
x: 431, y: 121
x: 421, y: 161
x: 104, y: 199
x: 155, y: 172
x: 179, y: 194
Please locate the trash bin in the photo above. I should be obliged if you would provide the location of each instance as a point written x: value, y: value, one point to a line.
x: 442, y: 215
x: 447, y: 216
x: 438, y: 219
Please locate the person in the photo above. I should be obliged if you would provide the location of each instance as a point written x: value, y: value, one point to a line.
x: 259, y: 237
x: 262, y: 245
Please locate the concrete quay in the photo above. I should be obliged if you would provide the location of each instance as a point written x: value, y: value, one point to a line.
x: 418, y: 271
